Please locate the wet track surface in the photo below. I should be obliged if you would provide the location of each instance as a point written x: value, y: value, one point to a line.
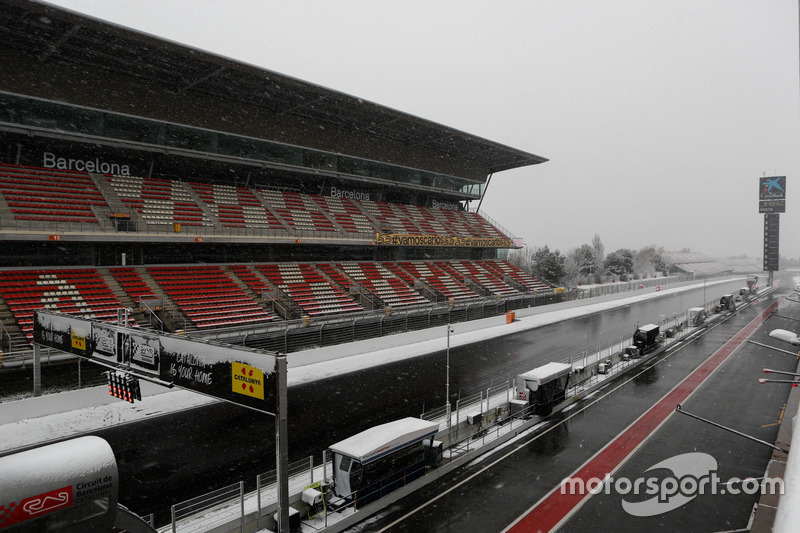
x: 492, y: 493
x: 172, y: 458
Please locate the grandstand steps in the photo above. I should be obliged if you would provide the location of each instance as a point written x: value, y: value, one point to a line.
x: 428, y: 291
x: 114, y: 202
x: 234, y: 275
x: 478, y: 289
x: 101, y: 214
x: 284, y: 224
x: 475, y: 276
x: 375, y: 222
x: 285, y: 307
x: 204, y: 207
x: 123, y: 297
x: 262, y: 290
x: 323, y: 209
x: 366, y: 298
x: 337, y: 278
x: 383, y: 284
x: 506, y: 271
x: 6, y: 216
x: 12, y: 338
x: 352, y: 288
x: 170, y: 314
x: 514, y: 283
x: 419, y: 284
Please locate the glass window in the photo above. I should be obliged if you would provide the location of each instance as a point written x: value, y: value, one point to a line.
x: 62, y: 117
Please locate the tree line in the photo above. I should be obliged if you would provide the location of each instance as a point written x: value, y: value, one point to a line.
x: 589, y: 263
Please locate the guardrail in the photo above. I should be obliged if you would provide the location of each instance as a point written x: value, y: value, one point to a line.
x: 151, y: 314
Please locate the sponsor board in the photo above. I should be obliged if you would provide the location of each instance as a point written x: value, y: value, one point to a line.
x: 395, y: 239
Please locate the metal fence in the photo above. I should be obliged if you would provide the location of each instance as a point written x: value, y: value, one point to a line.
x: 294, y: 336
x: 593, y: 291
x: 301, y: 474
x: 229, y: 505
x: 60, y: 372
x: 213, y: 509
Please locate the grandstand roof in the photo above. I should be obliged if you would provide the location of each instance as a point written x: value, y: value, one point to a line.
x: 55, y: 34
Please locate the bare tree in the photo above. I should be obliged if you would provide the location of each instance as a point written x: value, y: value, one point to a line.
x: 599, y: 250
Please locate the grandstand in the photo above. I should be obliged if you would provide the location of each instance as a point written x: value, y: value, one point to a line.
x: 695, y: 263
x: 250, y: 205
x: 742, y: 265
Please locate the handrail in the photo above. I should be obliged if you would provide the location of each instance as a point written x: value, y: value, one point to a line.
x: 175, y: 314
x: 152, y: 313
x: 7, y: 334
x: 493, y: 222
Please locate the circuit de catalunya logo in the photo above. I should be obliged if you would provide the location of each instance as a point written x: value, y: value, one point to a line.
x: 690, y: 475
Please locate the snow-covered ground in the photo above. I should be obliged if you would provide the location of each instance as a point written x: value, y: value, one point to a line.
x: 38, y: 420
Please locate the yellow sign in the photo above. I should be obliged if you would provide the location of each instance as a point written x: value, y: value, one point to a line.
x: 79, y: 340
x: 442, y: 240
x: 247, y: 380
x: 559, y: 290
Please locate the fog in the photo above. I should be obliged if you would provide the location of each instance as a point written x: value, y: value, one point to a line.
x: 657, y: 117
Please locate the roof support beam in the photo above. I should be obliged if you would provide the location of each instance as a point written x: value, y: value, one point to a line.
x: 200, y: 80
x: 56, y: 45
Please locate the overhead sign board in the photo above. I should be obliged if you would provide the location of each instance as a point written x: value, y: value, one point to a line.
x: 210, y: 368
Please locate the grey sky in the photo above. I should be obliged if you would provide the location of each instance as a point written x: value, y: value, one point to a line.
x: 657, y: 117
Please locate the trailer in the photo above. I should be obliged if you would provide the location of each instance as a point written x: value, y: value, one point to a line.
x: 383, y: 458
x: 544, y: 387
x: 646, y: 338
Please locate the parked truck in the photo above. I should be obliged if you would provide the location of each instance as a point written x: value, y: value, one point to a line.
x: 544, y: 387
x: 646, y: 338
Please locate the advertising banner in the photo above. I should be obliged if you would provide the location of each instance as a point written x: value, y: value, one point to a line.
x: 772, y: 194
x: 396, y: 239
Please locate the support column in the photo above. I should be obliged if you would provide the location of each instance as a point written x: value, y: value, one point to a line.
x: 282, y: 446
x: 37, y: 370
